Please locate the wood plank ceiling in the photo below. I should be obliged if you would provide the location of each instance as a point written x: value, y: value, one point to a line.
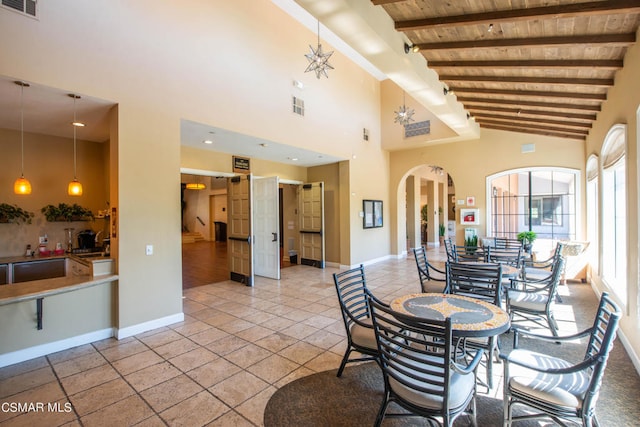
x: 533, y: 66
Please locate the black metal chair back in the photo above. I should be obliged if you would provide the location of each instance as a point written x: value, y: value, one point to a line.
x: 532, y: 300
x: 354, y: 306
x: 477, y: 280
x: 427, y: 272
x: 512, y: 256
x: 419, y: 368
x: 544, y: 373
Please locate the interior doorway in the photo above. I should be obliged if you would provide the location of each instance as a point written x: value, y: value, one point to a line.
x: 204, y: 246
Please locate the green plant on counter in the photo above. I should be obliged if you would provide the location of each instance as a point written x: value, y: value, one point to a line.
x: 14, y: 214
x: 527, y: 236
x: 65, y: 212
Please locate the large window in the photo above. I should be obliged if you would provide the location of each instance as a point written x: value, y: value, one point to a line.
x: 537, y: 199
x: 614, y: 208
x: 593, y: 172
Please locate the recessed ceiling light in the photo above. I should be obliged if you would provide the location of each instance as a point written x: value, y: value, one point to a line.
x: 295, y: 159
x: 78, y: 124
x: 207, y: 141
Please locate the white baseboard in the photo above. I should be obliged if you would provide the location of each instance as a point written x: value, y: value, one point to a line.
x: 147, y: 326
x: 52, y: 347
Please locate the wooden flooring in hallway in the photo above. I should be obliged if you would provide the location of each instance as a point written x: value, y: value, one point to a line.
x: 204, y: 263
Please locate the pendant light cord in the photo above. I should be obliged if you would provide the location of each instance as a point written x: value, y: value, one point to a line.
x: 74, y: 136
x: 22, y: 130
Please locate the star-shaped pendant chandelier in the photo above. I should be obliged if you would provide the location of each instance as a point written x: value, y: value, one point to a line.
x: 318, y: 60
x: 404, y: 115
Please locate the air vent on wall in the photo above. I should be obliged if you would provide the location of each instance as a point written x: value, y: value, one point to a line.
x: 418, y: 128
x: 27, y: 7
x: 298, y: 106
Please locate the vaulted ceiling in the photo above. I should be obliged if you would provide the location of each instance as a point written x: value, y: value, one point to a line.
x: 533, y: 66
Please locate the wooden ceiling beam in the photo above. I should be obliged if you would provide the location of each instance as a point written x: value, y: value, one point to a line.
x: 530, y: 93
x: 568, y: 41
x: 472, y: 100
x: 530, y: 126
x: 577, y: 116
x: 566, y: 63
x: 517, y: 15
x: 535, y: 132
x: 480, y: 114
x: 522, y: 79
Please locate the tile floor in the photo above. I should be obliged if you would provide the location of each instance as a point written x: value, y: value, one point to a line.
x: 219, y: 367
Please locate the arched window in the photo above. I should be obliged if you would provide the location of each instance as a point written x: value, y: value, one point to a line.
x: 614, y: 211
x: 593, y: 212
x: 540, y: 199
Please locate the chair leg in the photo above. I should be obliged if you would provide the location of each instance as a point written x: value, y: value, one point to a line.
x: 553, y: 325
x: 383, y: 409
x: 345, y: 359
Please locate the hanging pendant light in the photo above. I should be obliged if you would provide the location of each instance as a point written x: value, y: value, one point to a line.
x: 404, y: 115
x: 22, y: 184
x: 195, y: 185
x: 75, y: 187
x: 318, y: 60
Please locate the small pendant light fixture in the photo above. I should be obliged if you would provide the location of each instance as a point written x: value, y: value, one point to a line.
x: 404, y: 115
x: 318, y: 60
x: 195, y: 185
x: 75, y: 187
x: 22, y: 184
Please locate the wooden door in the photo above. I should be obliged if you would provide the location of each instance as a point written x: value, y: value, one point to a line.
x: 311, y: 220
x: 239, y: 229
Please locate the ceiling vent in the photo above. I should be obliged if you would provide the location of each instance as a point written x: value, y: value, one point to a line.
x: 28, y: 7
x: 298, y: 106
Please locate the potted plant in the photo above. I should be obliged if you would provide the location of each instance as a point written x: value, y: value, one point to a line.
x: 471, y: 245
x: 527, y: 237
x: 65, y: 212
x: 441, y: 231
x: 14, y: 214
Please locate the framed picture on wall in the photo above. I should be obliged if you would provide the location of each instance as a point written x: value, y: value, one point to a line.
x: 372, y: 213
x: 469, y: 216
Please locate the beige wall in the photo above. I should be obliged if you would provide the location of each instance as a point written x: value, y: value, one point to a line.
x: 138, y: 60
x: 470, y: 162
x: 622, y: 107
x: 49, y: 168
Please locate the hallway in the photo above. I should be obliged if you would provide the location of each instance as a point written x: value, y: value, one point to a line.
x: 205, y: 262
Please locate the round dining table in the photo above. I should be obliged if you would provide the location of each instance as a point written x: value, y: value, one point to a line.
x: 470, y: 317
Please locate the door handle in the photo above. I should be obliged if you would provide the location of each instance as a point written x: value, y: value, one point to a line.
x: 275, y: 237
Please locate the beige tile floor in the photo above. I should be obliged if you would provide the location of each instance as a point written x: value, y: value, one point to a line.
x: 235, y: 348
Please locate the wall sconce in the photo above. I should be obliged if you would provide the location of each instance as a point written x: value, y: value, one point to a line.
x: 411, y: 48
x: 75, y: 187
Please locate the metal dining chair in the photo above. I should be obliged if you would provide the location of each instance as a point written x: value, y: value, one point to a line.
x: 532, y: 300
x: 420, y: 370
x: 354, y: 297
x: 426, y: 272
x: 482, y: 281
x: 554, y: 387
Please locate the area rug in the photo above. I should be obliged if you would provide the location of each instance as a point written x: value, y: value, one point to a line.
x: 322, y: 400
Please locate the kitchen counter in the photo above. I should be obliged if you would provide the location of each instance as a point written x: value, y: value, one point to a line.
x: 25, y: 291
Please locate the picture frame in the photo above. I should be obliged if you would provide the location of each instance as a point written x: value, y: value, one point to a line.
x: 470, y: 216
x: 471, y: 201
x: 372, y: 210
